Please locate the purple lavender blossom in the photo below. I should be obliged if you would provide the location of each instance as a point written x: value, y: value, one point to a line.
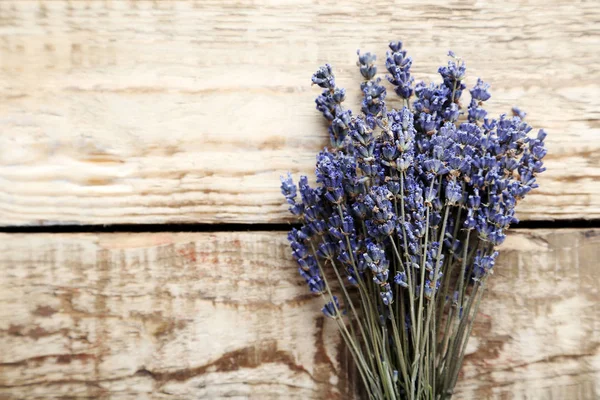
x: 329, y: 103
x: 409, y: 205
x: 453, y: 193
x: 366, y: 62
x: 398, y: 65
x: 400, y: 279
x: 386, y: 294
x: 481, y: 91
x: 453, y: 75
x: 517, y: 112
x: 332, y: 308
x: 373, y: 104
x: 324, y: 77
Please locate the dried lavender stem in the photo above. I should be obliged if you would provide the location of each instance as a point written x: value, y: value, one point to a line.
x: 432, y: 302
x: 399, y: 351
x: 421, y: 294
x: 452, y: 330
x: 458, y: 339
x: 448, y: 271
x: 352, y: 344
x: 362, y: 288
x: 409, y: 266
x: 349, y: 300
x: 466, y: 339
x: 461, y: 280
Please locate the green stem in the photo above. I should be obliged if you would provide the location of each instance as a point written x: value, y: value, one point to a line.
x: 451, y: 331
x: 371, y: 312
x: 461, y: 280
x: 366, y: 382
x: 453, y: 91
x: 448, y: 271
x: 444, y: 343
x: 399, y: 351
x: 459, y: 314
x: 419, y: 355
x: 359, y: 353
x: 403, y: 332
x: 432, y: 300
x: 397, y: 262
x: 359, y: 322
x: 411, y: 287
x: 466, y: 340
x: 458, y: 338
x: 422, y: 283
x: 347, y: 298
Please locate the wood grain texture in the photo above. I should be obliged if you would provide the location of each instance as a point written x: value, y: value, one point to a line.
x: 184, y: 316
x: 188, y: 111
x: 538, y: 334
x: 225, y: 315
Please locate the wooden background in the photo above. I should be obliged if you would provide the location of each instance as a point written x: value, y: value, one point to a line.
x: 144, y: 115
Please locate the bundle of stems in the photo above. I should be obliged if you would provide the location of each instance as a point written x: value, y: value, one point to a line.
x: 399, y: 235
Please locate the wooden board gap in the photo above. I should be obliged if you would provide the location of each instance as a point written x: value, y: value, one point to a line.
x: 262, y: 227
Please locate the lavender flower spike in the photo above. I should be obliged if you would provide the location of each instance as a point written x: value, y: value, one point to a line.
x: 398, y: 65
x: 366, y: 62
x: 373, y: 105
x: 324, y: 77
x: 330, y: 310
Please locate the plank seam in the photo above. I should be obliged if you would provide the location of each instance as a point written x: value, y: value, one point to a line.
x: 229, y: 227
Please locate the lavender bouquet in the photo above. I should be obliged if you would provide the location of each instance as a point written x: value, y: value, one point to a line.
x: 399, y: 236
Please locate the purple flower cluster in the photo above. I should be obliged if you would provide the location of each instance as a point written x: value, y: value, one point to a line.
x: 410, y: 200
x: 423, y: 161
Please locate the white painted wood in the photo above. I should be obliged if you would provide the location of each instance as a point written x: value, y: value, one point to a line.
x: 216, y: 315
x: 188, y: 111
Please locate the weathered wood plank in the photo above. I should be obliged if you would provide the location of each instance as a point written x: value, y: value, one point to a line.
x: 188, y: 111
x: 538, y: 334
x: 198, y: 315
x: 160, y: 315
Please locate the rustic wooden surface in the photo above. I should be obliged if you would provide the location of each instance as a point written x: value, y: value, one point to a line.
x: 162, y: 316
x: 216, y: 315
x: 188, y: 111
x: 161, y: 111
